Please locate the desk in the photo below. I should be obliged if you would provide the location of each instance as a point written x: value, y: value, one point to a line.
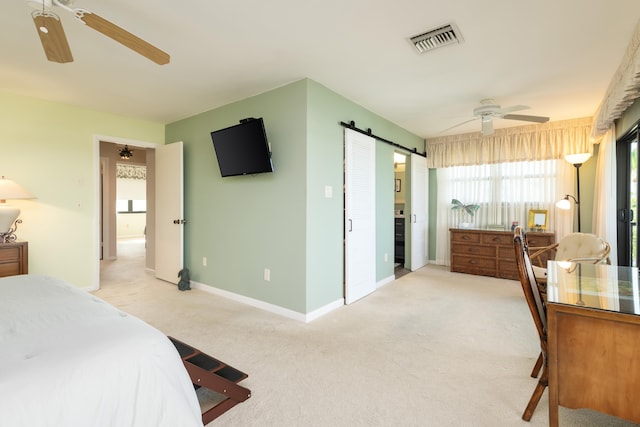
x: 593, y: 333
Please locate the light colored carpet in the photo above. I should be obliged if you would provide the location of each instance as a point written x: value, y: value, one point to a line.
x: 433, y: 348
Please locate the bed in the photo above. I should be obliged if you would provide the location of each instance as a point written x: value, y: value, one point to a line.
x: 68, y: 358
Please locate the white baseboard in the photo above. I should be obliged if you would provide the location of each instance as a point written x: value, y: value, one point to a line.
x: 272, y: 308
x: 385, y: 281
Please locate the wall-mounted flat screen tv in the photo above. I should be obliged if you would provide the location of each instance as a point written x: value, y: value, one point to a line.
x: 243, y: 149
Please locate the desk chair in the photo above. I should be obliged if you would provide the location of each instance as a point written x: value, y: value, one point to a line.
x: 538, y: 312
x: 575, y: 247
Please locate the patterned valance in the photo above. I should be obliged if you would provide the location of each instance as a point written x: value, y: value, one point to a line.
x: 131, y: 171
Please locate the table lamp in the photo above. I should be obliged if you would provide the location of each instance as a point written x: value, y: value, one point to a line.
x: 9, y: 214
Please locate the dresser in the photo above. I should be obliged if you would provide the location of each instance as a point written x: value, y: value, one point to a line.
x: 489, y: 252
x: 14, y: 259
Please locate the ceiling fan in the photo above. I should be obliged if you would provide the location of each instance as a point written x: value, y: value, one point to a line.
x: 54, y: 40
x: 488, y: 109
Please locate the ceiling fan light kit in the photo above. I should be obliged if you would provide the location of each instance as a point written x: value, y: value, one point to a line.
x: 54, y: 40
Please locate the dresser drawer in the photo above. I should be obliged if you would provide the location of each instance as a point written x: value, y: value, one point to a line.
x: 462, y: 237
x: 471, y: 265
x: 9, y: 269
x: 474, y: 250
x: 486, y: 263
x: 497, y: 239
x: 507, y: 252
x: 534, y: 240
x: 507, y: 269
x: 11, y: 253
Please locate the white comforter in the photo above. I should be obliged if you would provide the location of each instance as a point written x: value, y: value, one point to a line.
x: 68, y: 358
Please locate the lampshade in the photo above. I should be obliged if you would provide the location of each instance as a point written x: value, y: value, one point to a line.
x: 577, y: 159
x: 8, y: 213
x: 564, y: 204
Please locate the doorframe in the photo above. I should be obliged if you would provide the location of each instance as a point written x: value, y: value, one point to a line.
x: 625, y: 231
x: 97, y: 191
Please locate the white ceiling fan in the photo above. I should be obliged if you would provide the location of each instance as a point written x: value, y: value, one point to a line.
x: 54, y: 41
x: 488, y: 110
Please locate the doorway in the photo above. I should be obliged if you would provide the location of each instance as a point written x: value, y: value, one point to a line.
x: 627, y: 198
x: 126, y: 211
x: 399, y: 200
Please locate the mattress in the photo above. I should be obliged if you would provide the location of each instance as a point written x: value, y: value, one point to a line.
x: 67, y: 358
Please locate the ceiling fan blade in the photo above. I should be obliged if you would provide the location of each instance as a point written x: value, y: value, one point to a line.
x: 122, y: 36
x: 487, y: 126
x: 459, y: 124
x: 513, y: 108
x: 54, y: 41
x: 536, y: 119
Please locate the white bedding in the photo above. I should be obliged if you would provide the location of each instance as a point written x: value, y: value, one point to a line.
x: 68, y: 358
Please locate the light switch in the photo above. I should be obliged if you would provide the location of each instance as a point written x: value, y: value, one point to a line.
x: 328, y: 191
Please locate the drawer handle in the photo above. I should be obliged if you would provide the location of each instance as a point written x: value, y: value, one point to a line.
x: 472, y: 261
x: 465, y: 237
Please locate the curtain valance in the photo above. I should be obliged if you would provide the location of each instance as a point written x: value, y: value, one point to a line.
x: 131, y: 171
x: 623, y: 89
x: 532, y: 142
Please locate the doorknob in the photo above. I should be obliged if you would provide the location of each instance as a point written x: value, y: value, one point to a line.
x: 179, y: 221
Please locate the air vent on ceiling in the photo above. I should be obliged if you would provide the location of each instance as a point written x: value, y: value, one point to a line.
x: 438, y: 37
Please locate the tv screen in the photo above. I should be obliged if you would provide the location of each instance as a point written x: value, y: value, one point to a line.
x: 242, y: 149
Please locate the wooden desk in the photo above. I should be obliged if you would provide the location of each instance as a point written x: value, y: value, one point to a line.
x: 593, y: 332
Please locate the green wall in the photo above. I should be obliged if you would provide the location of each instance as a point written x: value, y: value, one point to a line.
x: 282, y: 221
x: 245, y: 224
x: 49, y: 148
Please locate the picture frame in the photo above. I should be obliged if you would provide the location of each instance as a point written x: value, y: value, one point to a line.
x: 538, y: 219
x: 398, y: 185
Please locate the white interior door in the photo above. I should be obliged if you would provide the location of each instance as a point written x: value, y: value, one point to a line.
x: 360, y: 218
x: 169, y: 212
x: 419, y: 188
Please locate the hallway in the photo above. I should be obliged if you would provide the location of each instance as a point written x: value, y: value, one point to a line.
x: 128, y: 267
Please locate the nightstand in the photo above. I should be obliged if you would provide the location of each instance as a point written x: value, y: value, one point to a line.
x: 14, y: 258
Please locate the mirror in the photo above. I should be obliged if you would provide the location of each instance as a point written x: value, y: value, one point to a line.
x: 537, y: 219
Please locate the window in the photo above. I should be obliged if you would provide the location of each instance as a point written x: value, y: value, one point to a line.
x: 505, y: 192
x: 131, y: 206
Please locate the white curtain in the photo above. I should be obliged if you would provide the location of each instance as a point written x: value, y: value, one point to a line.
x: 505, y: 193
x: 604, y: 210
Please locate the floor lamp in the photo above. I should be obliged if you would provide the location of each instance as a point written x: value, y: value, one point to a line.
x: 576, y: 160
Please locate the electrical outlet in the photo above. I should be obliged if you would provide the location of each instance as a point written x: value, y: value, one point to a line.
x: 386, y: 257
x: 328, y: 191
x: 267, y: 275
x: 204, y: 261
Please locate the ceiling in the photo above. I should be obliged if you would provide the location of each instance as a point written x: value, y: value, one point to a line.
x: 557, y: 57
